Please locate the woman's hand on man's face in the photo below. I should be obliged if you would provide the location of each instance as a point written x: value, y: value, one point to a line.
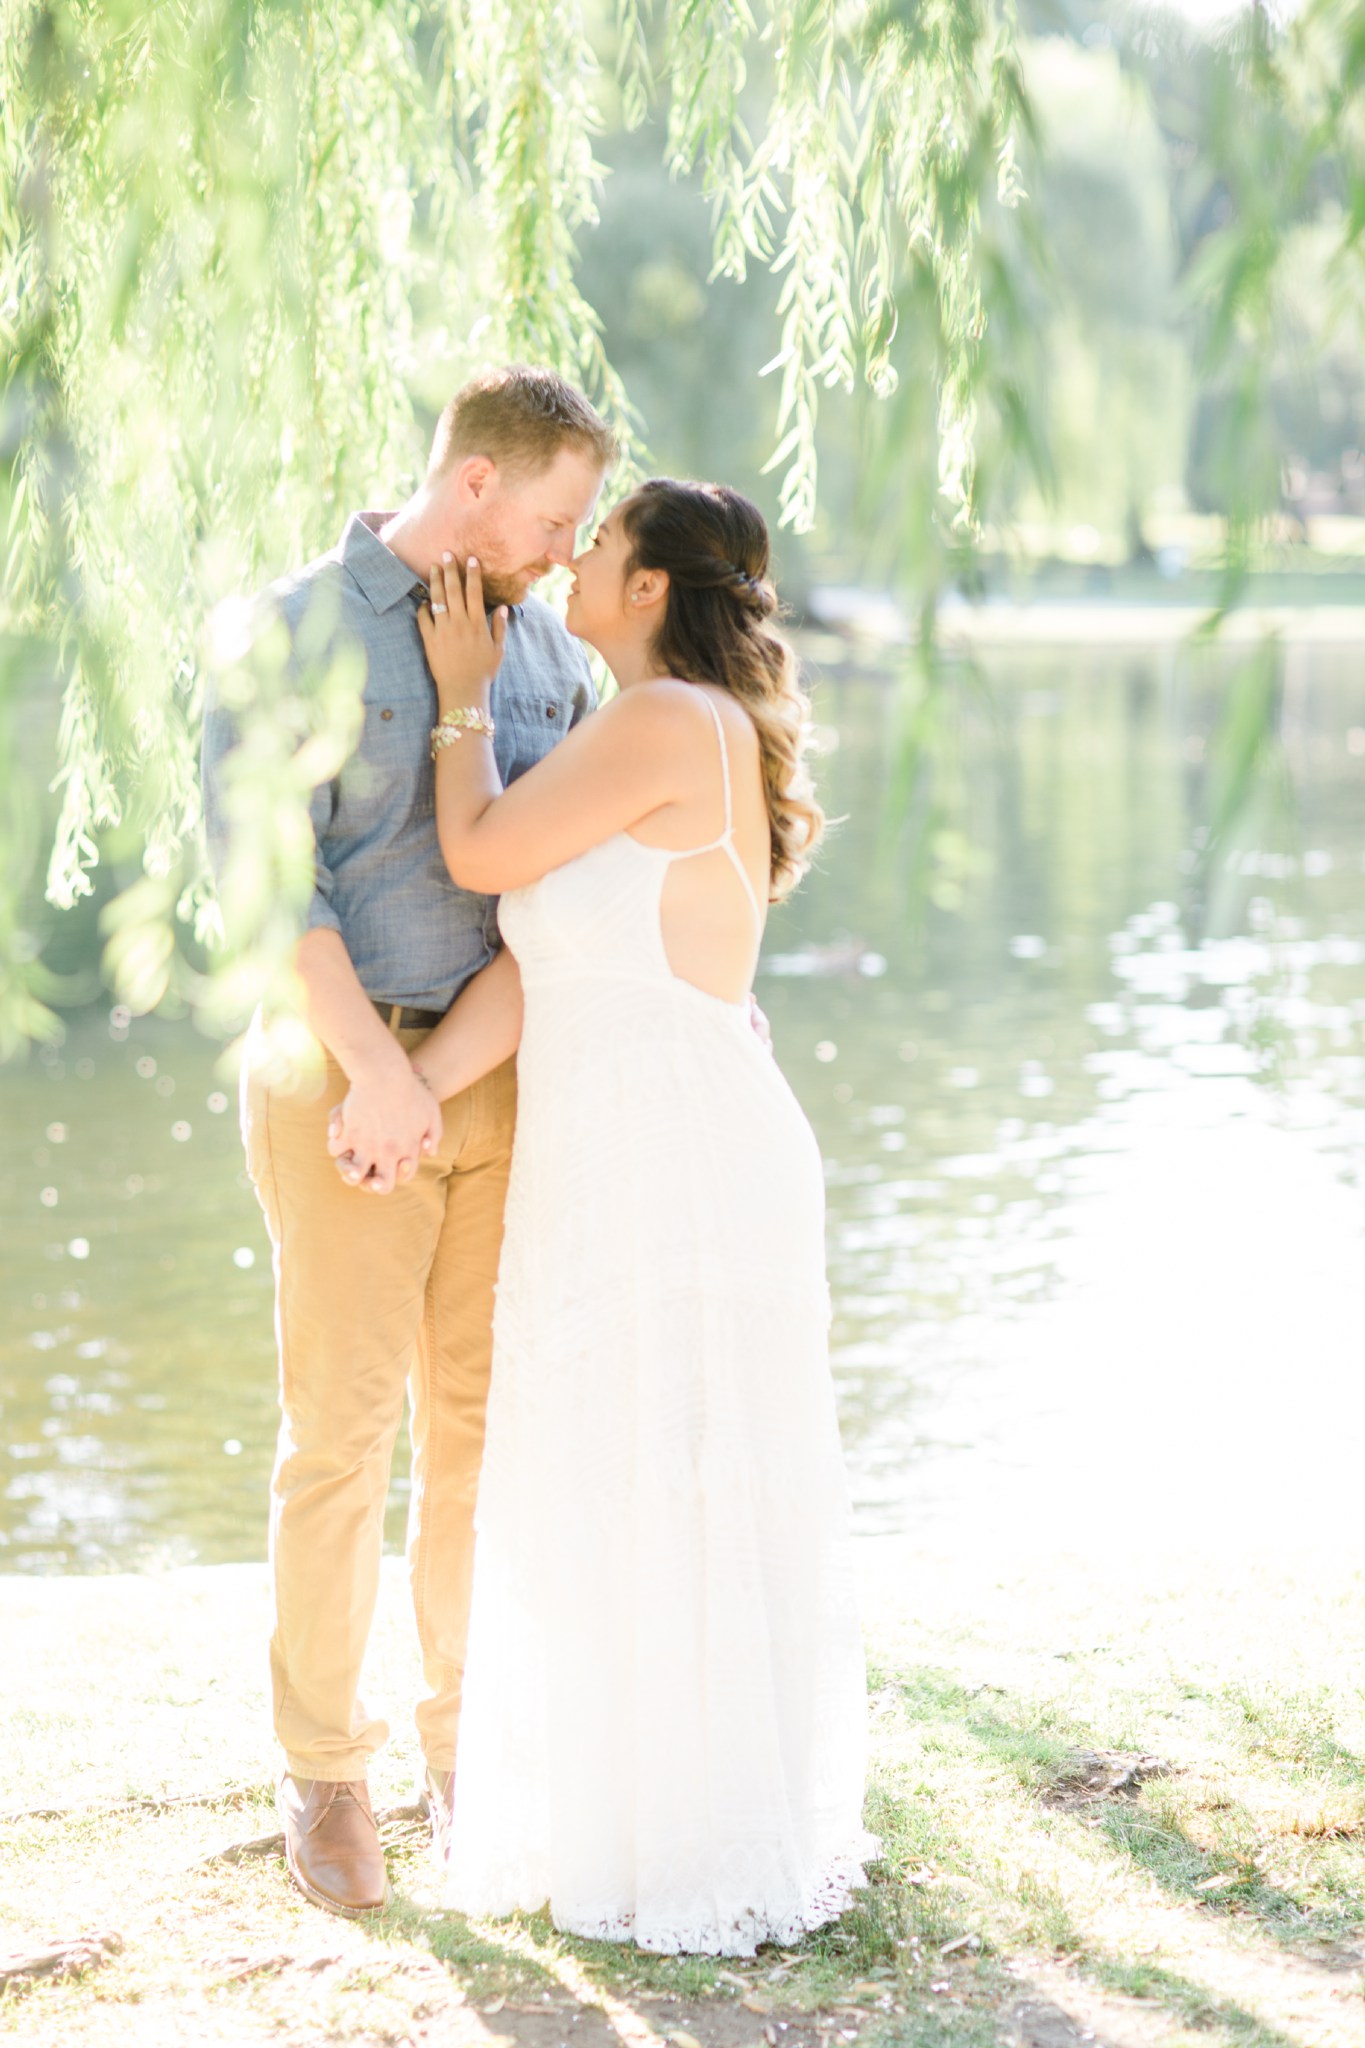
x: 463, y: 645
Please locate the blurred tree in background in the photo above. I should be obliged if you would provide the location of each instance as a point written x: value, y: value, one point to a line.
x: 249, y: 247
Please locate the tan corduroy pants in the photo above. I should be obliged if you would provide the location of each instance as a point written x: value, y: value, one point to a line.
x: 374, y: 1293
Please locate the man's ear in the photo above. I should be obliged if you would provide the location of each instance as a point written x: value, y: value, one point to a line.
x: 475, y: 477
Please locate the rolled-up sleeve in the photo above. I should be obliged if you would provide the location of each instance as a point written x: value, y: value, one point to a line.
x: 321, y: 914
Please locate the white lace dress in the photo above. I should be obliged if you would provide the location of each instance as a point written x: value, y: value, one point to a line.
x: 663, y: 1728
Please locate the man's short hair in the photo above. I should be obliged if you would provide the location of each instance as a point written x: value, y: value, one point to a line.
x: 520, y: 418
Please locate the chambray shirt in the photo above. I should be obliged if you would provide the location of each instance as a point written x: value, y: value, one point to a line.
x: 380, y: 881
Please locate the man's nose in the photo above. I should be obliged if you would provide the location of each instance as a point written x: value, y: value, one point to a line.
x: 560, y: 552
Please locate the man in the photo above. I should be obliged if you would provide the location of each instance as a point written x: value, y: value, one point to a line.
x: 372, y: 1295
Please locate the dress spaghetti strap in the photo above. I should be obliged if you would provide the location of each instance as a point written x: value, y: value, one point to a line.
x: 727, y: 837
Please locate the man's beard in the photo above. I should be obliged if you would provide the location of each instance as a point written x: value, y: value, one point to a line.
x: 501, y: 584
x: 510, y: 587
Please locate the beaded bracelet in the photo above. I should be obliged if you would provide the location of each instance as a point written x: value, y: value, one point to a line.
x: 453, y: 725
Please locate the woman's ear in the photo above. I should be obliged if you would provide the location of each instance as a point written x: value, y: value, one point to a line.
x: 646, y: 590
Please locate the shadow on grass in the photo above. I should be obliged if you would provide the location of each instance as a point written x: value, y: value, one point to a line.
x: 530, y: 1985
x: 1297, y: 1728
x: 1181, y: 1998
x: 866, y: 1976
x: 917, y: 1961
x: 1187, y: 1872
x: 1036, y: 1743
x: 1039, y: 1747
x: 1188, y: 2001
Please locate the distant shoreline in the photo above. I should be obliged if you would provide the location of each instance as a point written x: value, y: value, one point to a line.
x: 1076, y: 622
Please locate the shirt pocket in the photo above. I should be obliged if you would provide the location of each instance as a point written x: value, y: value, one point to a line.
x: 527, y: 730
x: 392, y: 760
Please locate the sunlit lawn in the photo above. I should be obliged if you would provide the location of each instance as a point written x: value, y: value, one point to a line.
x: 1117, y: 1805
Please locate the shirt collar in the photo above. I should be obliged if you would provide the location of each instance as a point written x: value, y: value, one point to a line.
x: 377, y: 569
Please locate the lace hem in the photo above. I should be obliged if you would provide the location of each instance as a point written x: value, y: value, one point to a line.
x: 783, y: 1924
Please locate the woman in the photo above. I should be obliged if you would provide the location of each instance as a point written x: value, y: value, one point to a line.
x: 663, y: 1723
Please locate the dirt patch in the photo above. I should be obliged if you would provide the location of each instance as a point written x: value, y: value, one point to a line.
x: 1034, y: 2023
x: 674, y: 2023
x: 57, y: 1960
x: 1089, y: 1774
x: 1336, y: 1958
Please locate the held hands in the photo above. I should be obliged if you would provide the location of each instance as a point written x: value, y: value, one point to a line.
x: 382, y: 1129
x: 463, y: 647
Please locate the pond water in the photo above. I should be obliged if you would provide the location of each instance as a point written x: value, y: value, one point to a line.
x: 1095, y: 1154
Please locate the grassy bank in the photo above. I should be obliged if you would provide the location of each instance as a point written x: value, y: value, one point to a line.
x: 1119, y: 1807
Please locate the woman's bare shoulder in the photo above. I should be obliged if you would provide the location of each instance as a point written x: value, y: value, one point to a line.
x: 690, y: 700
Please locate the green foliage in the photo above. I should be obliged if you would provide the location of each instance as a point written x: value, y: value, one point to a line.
x: 247, y: 248
x: 1269, y: 127
x: 523, y: 102
x: 1177, y: 319
x: 209, y: 266
x: 1270, y: 216
x: 1111, y: 386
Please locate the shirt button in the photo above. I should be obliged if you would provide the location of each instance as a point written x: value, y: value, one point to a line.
x: 386, y: 714
x: 552, y: 711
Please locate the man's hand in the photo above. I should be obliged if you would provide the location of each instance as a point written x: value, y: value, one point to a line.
x: 386, y: 1124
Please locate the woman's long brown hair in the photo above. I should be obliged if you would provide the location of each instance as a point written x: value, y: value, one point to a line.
x: 713, y: 545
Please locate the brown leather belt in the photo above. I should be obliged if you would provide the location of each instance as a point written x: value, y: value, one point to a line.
x: 398, y: 1018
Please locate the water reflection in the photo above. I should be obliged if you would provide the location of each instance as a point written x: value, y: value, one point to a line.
x: 134, y: 1344
x: 1094, y: 1170
x: 1082, y: 1149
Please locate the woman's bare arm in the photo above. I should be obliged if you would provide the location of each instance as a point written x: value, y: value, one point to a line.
x: 480, y: 1030
x: 638, y: 753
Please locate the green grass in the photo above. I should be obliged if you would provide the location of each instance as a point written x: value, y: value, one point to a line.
x: 1218, y: 1899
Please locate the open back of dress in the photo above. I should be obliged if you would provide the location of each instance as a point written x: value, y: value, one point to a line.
x: 692, y: 955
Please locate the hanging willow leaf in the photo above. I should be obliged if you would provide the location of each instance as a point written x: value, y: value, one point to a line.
x: 247, y: 247
x: 1284, y: 144
x: 237, y: 236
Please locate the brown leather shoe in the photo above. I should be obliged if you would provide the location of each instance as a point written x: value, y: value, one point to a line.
x: 331, y: 1844
x: 437, y: 1798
